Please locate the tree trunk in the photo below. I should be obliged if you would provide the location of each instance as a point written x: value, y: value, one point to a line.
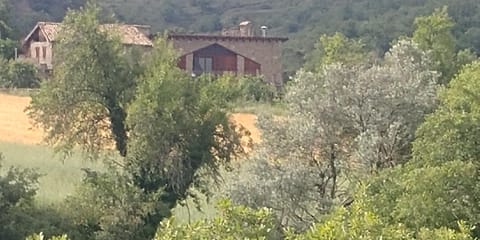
x: 333, y: 168
x: 117, y: 124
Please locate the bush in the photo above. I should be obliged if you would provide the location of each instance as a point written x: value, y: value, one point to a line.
x: 256, y: 89
x: 234, y: 222
x: 15, y: 74
x: 17, y: 189
x: 40, y: 236
x: 229, y: 88
x: 7, y: 48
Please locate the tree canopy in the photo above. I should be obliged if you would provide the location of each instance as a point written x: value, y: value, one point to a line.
x: 450, y: 133
x: 85, y: 102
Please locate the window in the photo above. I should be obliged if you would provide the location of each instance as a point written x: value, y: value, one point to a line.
x: 203, y: 65
x: 44, y: 52
x: 37, y: 52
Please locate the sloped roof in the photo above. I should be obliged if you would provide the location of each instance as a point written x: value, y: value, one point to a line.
x: 49, y: 30
x: 130, y: 34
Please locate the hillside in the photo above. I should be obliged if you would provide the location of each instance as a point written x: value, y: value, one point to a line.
x: 378, y: 22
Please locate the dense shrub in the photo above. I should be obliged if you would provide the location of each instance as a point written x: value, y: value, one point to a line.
x: 40, y: 236
x: 17, y: 189
x: 256, y: 89
x: 247, y: 88
x: 15, y: 74
x: 234, y: 222
x: 7, y: 48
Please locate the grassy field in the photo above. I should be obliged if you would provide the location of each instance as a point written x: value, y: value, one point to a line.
x: 59, y: 177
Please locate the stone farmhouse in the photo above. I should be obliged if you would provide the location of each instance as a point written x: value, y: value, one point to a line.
x: 37, y: 47
x: 235, y: 50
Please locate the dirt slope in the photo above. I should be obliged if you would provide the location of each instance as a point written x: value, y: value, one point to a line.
x: 16, y: 127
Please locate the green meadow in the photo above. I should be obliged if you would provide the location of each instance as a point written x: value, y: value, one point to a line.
x: 59, y: 176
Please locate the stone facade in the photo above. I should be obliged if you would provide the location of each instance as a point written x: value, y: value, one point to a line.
x: 264, y: 50
x: 41, y: 54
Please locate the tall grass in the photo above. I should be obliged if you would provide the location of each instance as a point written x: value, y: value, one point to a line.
x: 60, y: 177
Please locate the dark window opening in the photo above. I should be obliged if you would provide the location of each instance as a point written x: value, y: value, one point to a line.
x: 44, y: 52
x: 203, y: 65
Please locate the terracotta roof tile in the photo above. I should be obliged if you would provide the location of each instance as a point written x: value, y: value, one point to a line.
x: 130, y: 34
x: 50, y: 29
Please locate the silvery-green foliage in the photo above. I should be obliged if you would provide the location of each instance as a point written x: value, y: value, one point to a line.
x: 288, y: 173
x: 381, y: 105
x: 396, y: 98
x: 342, y: 121
x: 294, y: 189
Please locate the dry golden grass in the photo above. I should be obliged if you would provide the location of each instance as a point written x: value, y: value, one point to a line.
x: 16, y: 127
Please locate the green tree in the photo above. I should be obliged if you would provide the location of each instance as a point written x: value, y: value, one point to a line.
x: 464, y: 57
x: 356, y: 222
x: 360, y: 221
x: 5, y: 10
x: 7, y: 48
x: 426, y: 197
x: 452, y: 131
x: 343, y: 123
x: 85, y: 102
x: 336, y: 48
x: 434, y: 33
x: 17, y: 190
x: 108, y: 205
x: 233, y: 222
x: 16, y: 74
x: 180, y: 131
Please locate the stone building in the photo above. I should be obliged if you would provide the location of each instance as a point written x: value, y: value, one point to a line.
x: 237, y: 50
x: 37, y: 47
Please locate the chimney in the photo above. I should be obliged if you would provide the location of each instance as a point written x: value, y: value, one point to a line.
x: 264, y: 31
x: 246, y: 29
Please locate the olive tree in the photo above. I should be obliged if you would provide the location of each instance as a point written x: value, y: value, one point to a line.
x: 342, y: 122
